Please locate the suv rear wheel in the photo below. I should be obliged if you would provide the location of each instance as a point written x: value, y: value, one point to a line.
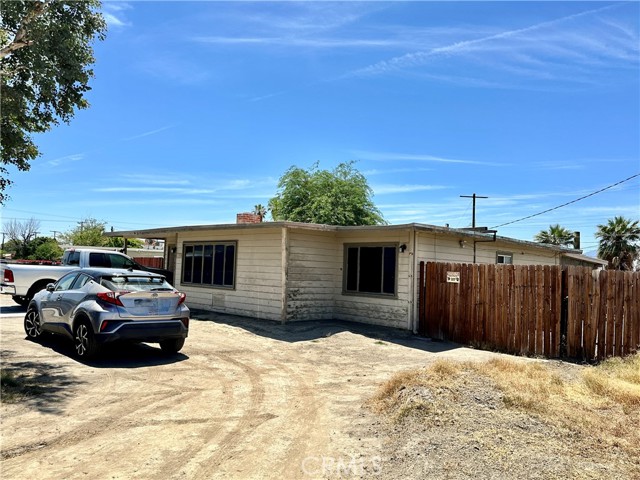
x: 173, y: 345
x: 84, y: 340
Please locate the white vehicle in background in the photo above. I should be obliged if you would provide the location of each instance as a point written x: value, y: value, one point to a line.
x: 23, y: 281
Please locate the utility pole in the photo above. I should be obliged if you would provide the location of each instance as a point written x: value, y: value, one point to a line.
x: 54, y: 233
x: 473, y: 221
x: 473, y: 217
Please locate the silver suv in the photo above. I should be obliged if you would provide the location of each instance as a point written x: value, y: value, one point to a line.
x: 93, y: 306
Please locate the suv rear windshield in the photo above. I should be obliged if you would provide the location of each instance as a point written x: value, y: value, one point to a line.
x: 135, y: 284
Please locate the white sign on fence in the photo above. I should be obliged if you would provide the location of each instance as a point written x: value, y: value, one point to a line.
x: 453, y: 277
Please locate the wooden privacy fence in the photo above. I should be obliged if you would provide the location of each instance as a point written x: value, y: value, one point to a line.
x: 153, y: 262
x: 551, y: 311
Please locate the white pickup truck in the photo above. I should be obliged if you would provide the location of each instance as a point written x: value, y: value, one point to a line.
x: 23, y: 281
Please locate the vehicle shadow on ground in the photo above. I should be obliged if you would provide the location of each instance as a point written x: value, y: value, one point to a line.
x: 36, y: 384
x: 116, y: 355
x: 13, y: 310
x: 309, y: 330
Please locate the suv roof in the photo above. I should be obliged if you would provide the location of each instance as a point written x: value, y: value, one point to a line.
x: 95, y: 271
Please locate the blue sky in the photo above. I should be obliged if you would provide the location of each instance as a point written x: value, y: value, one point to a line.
x: 197, y: 108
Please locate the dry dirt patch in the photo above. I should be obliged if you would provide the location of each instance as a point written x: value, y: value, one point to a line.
x: 252, y: 399
x: 512, y: 419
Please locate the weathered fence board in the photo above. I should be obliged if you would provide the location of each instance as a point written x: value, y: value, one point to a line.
x: 520, y: 309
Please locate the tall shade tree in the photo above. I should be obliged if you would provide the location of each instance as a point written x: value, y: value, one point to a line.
x: 338, y: 197
x: 21, y: 234
x: 556, y: 235
x: 619, y: 242
x: 45, y: 65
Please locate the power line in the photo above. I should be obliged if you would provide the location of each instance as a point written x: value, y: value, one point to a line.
x: 569, y: 203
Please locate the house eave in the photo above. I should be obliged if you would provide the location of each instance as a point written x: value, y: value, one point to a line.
x: 165, y: 232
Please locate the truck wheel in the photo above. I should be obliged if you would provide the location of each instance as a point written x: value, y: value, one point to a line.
x: 32, y: 324
x: 173, y: 345
x: 84, y: 341
x: 22, y: 301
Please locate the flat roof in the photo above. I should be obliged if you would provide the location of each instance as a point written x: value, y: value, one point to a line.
x: 165, y: 231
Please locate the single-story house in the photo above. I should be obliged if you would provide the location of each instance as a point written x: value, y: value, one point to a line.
x: 288, y: 271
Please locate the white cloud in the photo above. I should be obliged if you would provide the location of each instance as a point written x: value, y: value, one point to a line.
x: 387, y: 189
x: 148, y: 133
x: 565, y: 49
x: 75, y: 157
x: 396, y: 156
x: 114, y: 13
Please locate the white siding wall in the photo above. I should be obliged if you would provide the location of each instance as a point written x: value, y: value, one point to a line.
x: 393, y: 312
x: 314, y: 266
x: 258, y: 289
x: 434, y: 247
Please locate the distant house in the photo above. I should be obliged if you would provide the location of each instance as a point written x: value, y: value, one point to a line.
x: 288, y: 271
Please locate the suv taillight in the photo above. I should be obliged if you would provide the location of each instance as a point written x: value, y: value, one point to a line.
x: 183, y: 297
x: 8, y: 275
x: 110, y: 297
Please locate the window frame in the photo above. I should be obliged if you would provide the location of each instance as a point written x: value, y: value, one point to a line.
x: 345, y: 269
x: 213, y: 244
x: 504, y: 254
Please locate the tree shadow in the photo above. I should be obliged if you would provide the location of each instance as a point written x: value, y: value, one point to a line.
x: 309, y: 330
x: 36, y: 384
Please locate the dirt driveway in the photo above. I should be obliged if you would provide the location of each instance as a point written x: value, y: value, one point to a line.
x: 244, y: 399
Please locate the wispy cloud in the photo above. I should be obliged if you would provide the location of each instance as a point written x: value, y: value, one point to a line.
x: 75, y: 157
x: 114, y: 13
x: 396, y: 156
x: 387, y: 189
x: 387, y: 171
x: 148, y: 133
x: 147, y: 179
x: 564, y: 48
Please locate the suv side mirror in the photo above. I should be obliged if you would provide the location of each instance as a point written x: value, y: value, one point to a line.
x: 51, y: 287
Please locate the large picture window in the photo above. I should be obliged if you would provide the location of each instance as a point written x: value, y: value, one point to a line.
x: 210, y: 264
x: 370, y: 269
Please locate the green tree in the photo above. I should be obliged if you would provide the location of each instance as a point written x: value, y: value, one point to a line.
x: 338, y: 197
x: 556, y: 235
x: 88, y: 233
x: 619, y: 242
x: 118, y: 242
x: 45, y: 248
x: 45, y: 65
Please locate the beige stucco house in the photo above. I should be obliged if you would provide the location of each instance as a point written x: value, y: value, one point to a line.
x: 288, y: 271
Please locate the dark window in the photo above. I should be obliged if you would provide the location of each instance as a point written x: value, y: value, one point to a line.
x: 81, y: 281
x: 73, y: 258
x: 187, y: 264
x: 370, y: 269
x: 210, y: 264
x: 65, y: 282
x: 120, y: 261
x: 504, y: 257
x: 99, y: 260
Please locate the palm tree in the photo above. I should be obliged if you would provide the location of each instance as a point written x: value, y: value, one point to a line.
x: 260, y: 210
x: 556, y: 235
x: 619, y: 240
